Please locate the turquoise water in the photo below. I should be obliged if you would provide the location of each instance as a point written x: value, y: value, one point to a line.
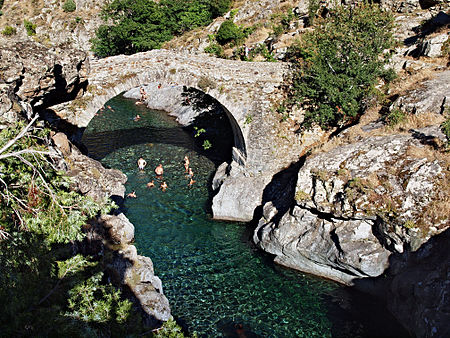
x: 214, y: 278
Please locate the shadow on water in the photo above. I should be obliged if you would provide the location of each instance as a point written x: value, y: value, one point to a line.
x: 216, y: 280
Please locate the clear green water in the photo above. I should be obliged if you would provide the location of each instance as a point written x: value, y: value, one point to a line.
x: 212, y: 275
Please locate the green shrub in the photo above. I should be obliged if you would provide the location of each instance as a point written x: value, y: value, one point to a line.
x: 220, y: 7
x: 215, y: 49
x: 313, y: 7
x: 30, y: 27
x: 229, y: 32
x: 141, y: 25
x: 339, y: 63
x: 395, y: 117
x: 69, y: 6
x: 8, y: 31
x: 445, y: 127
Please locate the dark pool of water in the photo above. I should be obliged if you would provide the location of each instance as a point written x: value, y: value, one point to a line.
x: 213, y: 276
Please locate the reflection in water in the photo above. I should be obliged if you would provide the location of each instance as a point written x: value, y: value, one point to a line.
x: 217, y: 283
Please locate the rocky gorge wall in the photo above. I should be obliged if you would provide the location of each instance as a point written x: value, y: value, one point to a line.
x: 33, y: 78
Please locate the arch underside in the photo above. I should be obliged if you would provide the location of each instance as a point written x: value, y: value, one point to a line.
x: 239, y: 152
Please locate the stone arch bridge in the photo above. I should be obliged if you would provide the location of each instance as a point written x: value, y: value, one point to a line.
x: 249, y: 92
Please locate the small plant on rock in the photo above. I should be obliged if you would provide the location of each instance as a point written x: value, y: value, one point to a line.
x: 30, y: 27
x: 69, y: 6
x: 8, y: 31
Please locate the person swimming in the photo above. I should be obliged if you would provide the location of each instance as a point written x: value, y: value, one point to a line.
x: 163, y: 186
x: 191, y: 183
x: 186, y: 163
x: 137, y: 118
x: 159, y: 170
x: 132, y: 194
x: 141, y: 163
x: 190, y: 173
x: 150, y: 184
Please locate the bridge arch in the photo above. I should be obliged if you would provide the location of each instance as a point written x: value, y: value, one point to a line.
x: 246, y: 90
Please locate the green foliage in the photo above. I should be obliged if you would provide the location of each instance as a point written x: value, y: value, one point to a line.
x: 313, y: 7
x: 30, y: 27
x: 261, y: 49
x: 45, y: 290
x: 206, y: 144
x: 69, y: 6
x: 339, y: 63
x: 141, y: 25
x: 8, y: 31
x: 215, y: 49
x: 395, y: 117
x: 230, y: 32
x: 445, y: 127
x: 90, y: 301
x: 1, y: 3
x: 284, y: 23
x: 170, y: 329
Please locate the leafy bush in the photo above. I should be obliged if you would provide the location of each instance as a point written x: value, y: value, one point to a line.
x: 30, y: 27
x: 8, y: 31
x: 141, y: 25
x: 215, y: 49
x: 395, y: 117
x: 69, y: 6
x: 45, y: 290
x: 338, y: 64
x: 445, y: 127
x: 229, y: 32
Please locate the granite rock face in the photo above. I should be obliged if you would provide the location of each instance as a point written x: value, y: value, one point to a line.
x: 356, y: 205
x: 432, y: 96
x: 35, y: 77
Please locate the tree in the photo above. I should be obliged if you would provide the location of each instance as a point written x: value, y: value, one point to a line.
x: 339, y: 62
x: 141, y: 25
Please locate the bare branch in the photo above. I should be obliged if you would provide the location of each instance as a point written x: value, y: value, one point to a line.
x: 26, y: 151
x: 14, y: 140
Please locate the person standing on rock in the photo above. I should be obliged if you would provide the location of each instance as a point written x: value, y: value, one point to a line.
x: 141, y: 163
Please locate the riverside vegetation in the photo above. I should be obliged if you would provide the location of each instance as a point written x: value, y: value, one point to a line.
x: 47, y: 287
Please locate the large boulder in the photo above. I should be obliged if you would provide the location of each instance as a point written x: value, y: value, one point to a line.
x: 357, y: 204
x: 433, y: 96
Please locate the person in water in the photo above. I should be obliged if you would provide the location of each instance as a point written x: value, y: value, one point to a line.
x: 132, y: 194
x: 141, y: 163
x: 159, y: 170
x: 163, y: 186
x: 137, y: 118
x: 150, y: 184
x: 190, y: 173
x: 191, y: 183
x: 186, y: 163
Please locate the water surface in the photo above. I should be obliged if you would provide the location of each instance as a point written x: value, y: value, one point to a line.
x: 214, y: 278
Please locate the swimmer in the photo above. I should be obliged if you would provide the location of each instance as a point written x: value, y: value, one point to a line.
x: 141, y: 163
x: 109, y: 107
x: 132, y: 194
x: 186, y: 163
x: 190, y: 173
x: 137, y: 118
x: 159, y: 170
x: 150, y: 184
x: 191, y: 183
x: 163, y: 186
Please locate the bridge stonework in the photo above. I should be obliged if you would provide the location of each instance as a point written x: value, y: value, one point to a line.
x: 247, y: 90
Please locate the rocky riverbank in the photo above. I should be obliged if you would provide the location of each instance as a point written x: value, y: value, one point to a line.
x: 33, y: 78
